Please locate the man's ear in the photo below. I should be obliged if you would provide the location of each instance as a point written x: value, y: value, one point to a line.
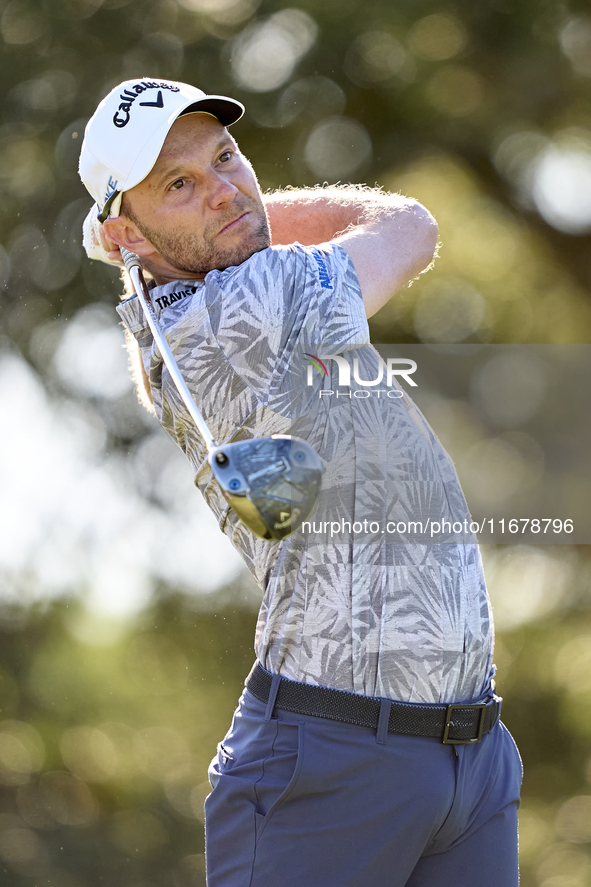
x: 125, y: 233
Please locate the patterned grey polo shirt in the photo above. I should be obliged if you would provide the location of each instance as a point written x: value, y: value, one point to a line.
x: 407, y: 620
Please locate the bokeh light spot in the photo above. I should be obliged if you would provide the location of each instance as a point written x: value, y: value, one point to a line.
x: 509, y: 388
x: 575, y: 40
x: 179, y: 787
x: 486, y: 244
x: 191, y: 871
x: 373, y: 57
x: 336, y: 148
x: 48, y: 264
x: 24, y: 170
x: 22, y: 23
x: 448, y: 311
x: 561, y: 865
x: 535, y: 833
x: 67, y: 799
x: 198, y: 796
x: 315, y: 96
x: 90, y: 358
x: 21, y: 752
x: 165, y: 750
x: 455, y: 91
x: 223, y: 11
x: 32, y: 809
x: 540, y: 578
x: 53, y: 90
x: 492, y: 470
x: 562, y: 187
x: 156, y: 666
x: 23, y: 851
x: 137, y: 832
x: 513, y: 156
x: 265, y: 54
x: 573, y: 665
x: 89, y: 753
x: 437, y: 37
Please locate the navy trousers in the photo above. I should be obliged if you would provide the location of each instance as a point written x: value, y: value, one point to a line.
x: 299, y: 800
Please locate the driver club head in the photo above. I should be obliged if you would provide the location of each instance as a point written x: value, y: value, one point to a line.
x: 272, y: 483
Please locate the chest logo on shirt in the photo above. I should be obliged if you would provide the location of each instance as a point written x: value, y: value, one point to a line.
x: 167, y: 301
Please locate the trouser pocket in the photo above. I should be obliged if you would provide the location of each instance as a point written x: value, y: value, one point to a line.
x: 279, y: 769
x: 258, y: 761
x: 253, y: 774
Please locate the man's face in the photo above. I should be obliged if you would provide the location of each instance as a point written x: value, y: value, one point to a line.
x: 201, y: 205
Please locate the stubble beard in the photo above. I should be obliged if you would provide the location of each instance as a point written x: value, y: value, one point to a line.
x: 199, y: 254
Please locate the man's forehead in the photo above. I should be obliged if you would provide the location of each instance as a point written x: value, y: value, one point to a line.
x: 190, y: 136
x: 197, y: 129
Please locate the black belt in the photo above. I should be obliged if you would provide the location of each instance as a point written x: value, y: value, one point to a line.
x: 452, y: 724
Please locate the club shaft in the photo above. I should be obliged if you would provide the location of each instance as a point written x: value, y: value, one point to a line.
x: 133, y: 265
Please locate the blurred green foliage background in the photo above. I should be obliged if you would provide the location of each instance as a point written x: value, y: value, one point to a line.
x: 126, y: 621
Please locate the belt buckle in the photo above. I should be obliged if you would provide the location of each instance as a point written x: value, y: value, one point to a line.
x: 448, y: 716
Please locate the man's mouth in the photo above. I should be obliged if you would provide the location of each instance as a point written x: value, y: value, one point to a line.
x: 234, y: 223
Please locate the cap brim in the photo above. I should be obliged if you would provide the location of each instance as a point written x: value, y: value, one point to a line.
x: 226, y: 110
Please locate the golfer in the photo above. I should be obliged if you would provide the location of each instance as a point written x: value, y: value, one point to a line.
x: 367, y: 748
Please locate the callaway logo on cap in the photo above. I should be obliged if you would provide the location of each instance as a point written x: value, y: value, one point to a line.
x: 124, y: 136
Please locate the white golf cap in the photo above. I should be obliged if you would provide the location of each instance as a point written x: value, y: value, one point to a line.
x: 124, y: 136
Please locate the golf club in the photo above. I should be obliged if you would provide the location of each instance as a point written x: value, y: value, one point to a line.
x: 272, y: 483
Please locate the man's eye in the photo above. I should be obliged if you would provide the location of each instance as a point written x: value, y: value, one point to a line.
x: 177, y: 185
x: 227, y: 155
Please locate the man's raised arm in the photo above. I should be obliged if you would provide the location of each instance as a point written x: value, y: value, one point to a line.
x: 391, y: 239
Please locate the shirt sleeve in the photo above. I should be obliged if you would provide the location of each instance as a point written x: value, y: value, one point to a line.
x: 281, y: 302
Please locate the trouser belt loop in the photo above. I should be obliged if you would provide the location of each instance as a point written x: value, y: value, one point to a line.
x: 383, y: 721
x: 272, y: 696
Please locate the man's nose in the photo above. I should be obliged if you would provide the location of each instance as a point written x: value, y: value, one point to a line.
x: 220, y: 192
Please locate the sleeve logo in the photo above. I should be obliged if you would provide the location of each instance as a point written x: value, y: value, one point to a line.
x: 322, y: 271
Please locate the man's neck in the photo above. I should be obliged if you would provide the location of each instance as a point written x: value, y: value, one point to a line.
x: 163, y: 277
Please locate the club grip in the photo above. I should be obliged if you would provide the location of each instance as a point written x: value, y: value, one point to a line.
x: 130, y: 259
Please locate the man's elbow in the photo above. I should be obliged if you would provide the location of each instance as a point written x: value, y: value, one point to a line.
x: 425, y: 238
